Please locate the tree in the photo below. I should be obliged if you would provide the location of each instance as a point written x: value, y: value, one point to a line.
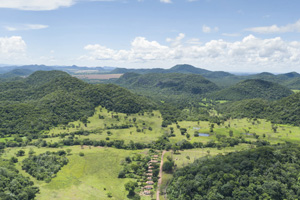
x: 230, y: 133
x: 168, y: 166
x: 188, y: 136
x: 130, y: 186
x: 81, y: 154
x: 31, y: 152
x: 69, y: 151
x: 175, y: 148
x: 183, y: 131
x: 20, y: 153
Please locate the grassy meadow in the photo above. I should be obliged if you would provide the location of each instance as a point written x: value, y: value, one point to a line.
x: 91, y: 176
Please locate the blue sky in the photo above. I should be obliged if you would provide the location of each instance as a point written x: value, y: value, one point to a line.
x: 229, y: 35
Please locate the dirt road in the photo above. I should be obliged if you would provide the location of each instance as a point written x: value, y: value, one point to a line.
x: 160, y: 175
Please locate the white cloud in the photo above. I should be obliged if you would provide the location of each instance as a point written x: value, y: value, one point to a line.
x: 276, y: 29
x: 177, y: 40
x: 12, y: 48
x: 26, y: 27
x: 166, y: 1
x: 35, y: 4
x: 207, y: 29
x: 250, y: 53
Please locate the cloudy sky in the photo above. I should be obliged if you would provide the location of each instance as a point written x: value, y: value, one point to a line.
x: 229, y: 35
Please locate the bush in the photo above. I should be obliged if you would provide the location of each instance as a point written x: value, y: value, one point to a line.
x: 81, y: 154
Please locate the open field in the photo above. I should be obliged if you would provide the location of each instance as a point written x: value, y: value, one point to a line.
x: 89, y: 177
x: 98, y: 76
x: 246, y: 128
x: 7, y: 138
x: 99, y: 126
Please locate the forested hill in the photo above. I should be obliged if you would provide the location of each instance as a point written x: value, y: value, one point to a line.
x: 261, y: 173
x: 183, y: 69
x: 253, y: 88
x: 46, y: 99
x: 173, y: 83
x: 284, y: 111
x: 221, y: 78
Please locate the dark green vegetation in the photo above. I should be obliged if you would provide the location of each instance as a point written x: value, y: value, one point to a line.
x: 46, y: 99
x: 46, y: 165
x: 14, y: 186
x: 284, y: 111
x: 221, y: 78
x: 262, y: 173
x: 183, y: 69
x: 168, y: 84
x: 173, y: 92
x: 14, y: 75
x: 253, y: 88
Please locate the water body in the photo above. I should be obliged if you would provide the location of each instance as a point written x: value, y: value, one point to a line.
x: 203, y: 134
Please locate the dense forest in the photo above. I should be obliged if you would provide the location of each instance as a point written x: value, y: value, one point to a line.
x: 46, y: 165
x: 262, y: 173
x: 14, y: 186
x: 284, y: 111
x: 46, y: 99
x: 253, y: 88
x: 221, y: 78
x: 168, y: 84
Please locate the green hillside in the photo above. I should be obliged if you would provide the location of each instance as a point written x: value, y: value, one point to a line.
x: 262, y: 173
x: 285, y: 110
x: 253, y: 88
x: 173, y: 83
x: 46, y: 99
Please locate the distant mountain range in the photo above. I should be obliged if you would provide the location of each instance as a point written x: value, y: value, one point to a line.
x: 70, y: 69
x: 221, y: 78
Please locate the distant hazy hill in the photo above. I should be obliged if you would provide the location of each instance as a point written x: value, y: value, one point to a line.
x: 253, y: 88
x: 170, y: 83
x: 16, y: 73
x: 184, y: 69
x: 45, y: 99
x: 70, y: 69
x: 221, y: 78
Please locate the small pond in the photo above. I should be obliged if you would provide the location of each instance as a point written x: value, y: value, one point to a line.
x: 203, y: 134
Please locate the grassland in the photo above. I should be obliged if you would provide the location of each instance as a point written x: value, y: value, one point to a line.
x: 91, y: 176
x: 100, y: 126
x: 249, y: 129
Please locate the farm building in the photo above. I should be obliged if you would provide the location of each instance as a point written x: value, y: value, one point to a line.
x: 149, y: 182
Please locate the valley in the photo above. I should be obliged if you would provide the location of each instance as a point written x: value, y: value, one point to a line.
x: 109, y: 135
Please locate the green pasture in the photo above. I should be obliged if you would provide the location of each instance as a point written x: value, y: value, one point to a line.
x: 99, y: 126
x: 240, y: 127
x: 6, y: 139
x: 91, y: 176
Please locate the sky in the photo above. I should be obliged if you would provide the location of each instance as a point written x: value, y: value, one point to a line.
x: 228, y: 35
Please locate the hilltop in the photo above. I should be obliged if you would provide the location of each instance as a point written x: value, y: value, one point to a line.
x: 253, y: 88
x: 46, y: 99
x: 171, y: 83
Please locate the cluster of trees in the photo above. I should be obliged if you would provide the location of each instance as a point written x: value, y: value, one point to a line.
x: 270, y: 172
x: 46, y: 165
x: 47, y: 99
x: 13, y: 185
x: 285, y: 110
